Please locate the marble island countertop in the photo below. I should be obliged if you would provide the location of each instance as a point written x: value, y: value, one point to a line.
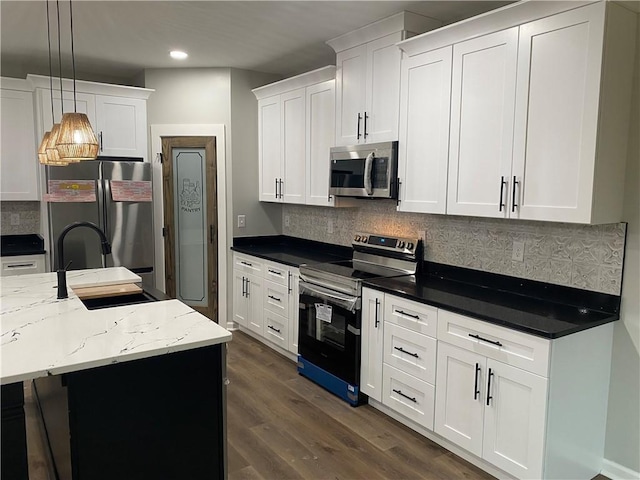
x: 41, y: 335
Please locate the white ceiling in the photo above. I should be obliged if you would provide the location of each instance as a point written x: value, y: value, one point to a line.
x: 118, y: 39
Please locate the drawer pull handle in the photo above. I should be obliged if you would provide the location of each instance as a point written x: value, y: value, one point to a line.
x: 476, y: 390
x: 21, y: 265
x: 274, y: 272
x: 489, y: 397
x: 485, y: 340
x: 417, y: 317
x: 399, y: 392
x: 247, y: 264
x: 408, y: 353
x: 274, y: 298
x: 273, y: 328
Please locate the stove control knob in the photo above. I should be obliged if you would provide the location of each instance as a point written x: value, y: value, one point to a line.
x: 364, y: 239
x: 410, y: 246
x: 357, y: 238
x: 400, y: 244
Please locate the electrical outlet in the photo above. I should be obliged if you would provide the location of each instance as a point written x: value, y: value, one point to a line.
x: 422, y: 235
x: 287, y: 220
x: 518, y: 251
x: 330, y: 226
x: 242, y: 221
x: 15, y: 219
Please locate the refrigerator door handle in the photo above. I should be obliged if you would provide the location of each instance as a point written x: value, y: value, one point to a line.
x: 101, y: 206
x: 105, y: 209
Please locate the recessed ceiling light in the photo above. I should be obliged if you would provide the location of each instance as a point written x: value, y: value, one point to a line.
x: 178, y: 55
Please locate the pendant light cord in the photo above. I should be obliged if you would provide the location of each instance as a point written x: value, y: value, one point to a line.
x: 60, y: 60
x: 50, y: 69
x: 73, y: 58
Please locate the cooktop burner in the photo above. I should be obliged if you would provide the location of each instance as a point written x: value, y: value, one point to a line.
x: 374, y: 256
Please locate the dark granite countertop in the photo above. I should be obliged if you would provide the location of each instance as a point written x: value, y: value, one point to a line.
x: 531, y: 307
x: 290, y: 251
x: 13, y: 245
x: 542, y: 309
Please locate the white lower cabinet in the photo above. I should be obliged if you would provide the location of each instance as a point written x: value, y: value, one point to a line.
x: 516, y: 402
x: 491, y: 409
x: 265, y: 300
x: 371, y: 352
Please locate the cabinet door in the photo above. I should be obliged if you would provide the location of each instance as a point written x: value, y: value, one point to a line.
x: 240, y: 303
x: 459, y: 407
x: 482, y: 108
x: 85, y: 103
x: 121, y: 125
x: 514, y: 420
x: 380, y: 123
x: 255, y: 308
x: 269, y: 148
x: 321, y: 118
x: 293, y: 146
x: 18, y: 150
x: 372, y: 338
x: 351, y: 71
x: 424, y: 131
x: 559, y: 64
x: 294, y: 311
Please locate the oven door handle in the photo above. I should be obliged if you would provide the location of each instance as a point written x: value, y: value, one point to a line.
x: 348, y: 302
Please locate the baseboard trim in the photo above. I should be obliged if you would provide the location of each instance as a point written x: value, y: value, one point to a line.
x: 615, y: 471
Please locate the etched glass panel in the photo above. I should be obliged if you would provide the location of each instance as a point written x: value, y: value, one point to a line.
x: 190, y: 225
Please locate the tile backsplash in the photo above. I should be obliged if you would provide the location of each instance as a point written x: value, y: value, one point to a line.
x: 589, y: 257
x: 28, y: 214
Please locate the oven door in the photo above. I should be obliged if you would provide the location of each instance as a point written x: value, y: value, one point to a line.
x: 329, y: 331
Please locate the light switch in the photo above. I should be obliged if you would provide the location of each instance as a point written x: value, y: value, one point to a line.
x: 242, y: 221
x: 15, y: 219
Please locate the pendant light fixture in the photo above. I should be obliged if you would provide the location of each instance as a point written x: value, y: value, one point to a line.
x: 76, y: 140
x: 47, y: 154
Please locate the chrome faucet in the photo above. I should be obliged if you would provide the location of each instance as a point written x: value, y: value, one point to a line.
x: 62, y: 270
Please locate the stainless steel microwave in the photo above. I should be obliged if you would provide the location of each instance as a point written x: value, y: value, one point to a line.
x: 366, y: 171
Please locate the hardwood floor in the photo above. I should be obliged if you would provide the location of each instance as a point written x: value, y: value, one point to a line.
x: 281, y: 425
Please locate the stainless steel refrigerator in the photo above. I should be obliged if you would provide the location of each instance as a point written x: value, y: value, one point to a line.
x: 127, y: 223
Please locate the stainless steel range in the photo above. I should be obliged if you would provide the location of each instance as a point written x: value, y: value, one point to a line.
x: 330, y: 302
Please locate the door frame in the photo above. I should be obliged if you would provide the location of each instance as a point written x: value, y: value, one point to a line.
x: 224, y: 229
x: 208, y: 144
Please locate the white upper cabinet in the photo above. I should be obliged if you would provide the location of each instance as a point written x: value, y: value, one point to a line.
x: 292, y: 186
x: 118, y: 114
x: 296, y: 124
x: 540, y: 107
x: 269, y: 148
x: 368, y: 78
x: 121, y: 126
x: 423, y: 149
x: 18, y: 149
x: 482, y: 105
x: 320, y: 136
x: 572, y: 113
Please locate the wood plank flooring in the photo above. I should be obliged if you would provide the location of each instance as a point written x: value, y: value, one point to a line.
x: 283, y: 426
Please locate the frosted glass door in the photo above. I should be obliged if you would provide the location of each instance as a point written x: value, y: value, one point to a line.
x: 190, y: 209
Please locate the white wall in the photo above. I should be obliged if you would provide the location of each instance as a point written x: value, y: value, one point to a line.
x: 219, y: 96
x: 623, y: 421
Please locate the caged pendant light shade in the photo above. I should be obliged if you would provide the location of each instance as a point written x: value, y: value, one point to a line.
x: 76, y: 140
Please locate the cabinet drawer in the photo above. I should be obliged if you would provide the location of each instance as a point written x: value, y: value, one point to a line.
x: 276, y: 273
x: 276, y: 298
x: 515, y: 348
x: 22, y: 265
x: 409, y: 396
x: 410, y: 352
x: 248, y: 264
x: 415, y: 316
x: 276, y: 329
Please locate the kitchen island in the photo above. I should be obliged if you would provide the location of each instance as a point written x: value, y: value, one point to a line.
x: 134, y: 391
